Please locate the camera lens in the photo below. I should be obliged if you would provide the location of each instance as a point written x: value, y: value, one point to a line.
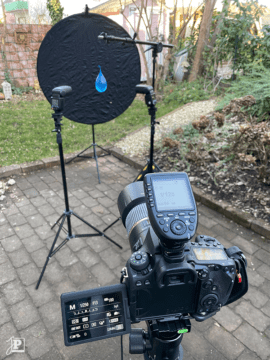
x: 134, y: 214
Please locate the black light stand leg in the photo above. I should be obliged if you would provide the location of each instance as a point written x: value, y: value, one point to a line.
x: 79, y: 155
x: 94, y: 152
x: 112, y: 224
x: 50, y: 253
x: 67, y: 213
x: 94, y: 148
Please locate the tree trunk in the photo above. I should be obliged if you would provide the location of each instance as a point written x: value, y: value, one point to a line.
x: 203, y: 38
x: 4, y: 14
x: 3, y: 39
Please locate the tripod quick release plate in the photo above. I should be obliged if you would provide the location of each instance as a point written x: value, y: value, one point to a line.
x: 95, y: 314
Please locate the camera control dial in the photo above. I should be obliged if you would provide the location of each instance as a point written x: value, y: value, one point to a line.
x: 209, y: 300
x: 178, y: 227
x: 139, y: 260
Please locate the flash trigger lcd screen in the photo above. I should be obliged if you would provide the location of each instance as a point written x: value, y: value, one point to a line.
x: 172, y: 194
x: 210, y: 254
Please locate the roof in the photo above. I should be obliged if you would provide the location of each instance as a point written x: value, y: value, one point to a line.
x: 15, y: 5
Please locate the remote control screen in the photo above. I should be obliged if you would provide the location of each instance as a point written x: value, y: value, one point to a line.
x: 172, y: 194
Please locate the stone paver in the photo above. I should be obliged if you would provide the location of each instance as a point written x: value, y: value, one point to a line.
x: 240, y: 331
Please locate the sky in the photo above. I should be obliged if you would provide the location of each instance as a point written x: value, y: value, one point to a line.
x: 75, y: 7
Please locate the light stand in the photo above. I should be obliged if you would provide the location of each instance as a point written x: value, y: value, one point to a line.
x: 94, y: 150
x: 151, y: 165
x: 149, y: 100
x: 57, y: 106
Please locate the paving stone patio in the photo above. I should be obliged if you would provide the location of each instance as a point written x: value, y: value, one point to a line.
x: 239, y: 331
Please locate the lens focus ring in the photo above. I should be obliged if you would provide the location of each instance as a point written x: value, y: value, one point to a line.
x: 137, y: 214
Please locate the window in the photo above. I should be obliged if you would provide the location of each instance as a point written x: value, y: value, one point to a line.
x: 21, y: 20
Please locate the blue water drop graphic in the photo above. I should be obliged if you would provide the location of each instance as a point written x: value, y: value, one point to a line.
x: 101, y: 83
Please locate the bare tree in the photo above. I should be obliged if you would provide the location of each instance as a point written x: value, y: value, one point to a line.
x: 38, y: 13
x: 188, y: 14
x: 4, y: 14
x: 203, y: 38
x: 145, y: 18
x: 3, y: 38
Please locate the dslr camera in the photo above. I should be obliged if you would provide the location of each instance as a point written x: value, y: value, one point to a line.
x: 169, y: 278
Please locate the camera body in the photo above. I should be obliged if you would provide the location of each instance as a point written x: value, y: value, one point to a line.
x: 199, y: 285
x: 169, y: 277
x: 168, y: 274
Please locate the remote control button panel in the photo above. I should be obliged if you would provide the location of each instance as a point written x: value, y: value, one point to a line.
x: 171, y: 205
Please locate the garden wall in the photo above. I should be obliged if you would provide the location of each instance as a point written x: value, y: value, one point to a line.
x: 22, y: 43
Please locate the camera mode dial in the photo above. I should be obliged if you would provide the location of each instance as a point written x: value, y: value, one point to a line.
x: 139, y: 260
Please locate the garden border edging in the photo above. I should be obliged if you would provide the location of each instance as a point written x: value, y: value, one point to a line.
x: 246, y: 220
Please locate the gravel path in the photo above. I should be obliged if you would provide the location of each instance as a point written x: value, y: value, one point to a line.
x: 137, y: 142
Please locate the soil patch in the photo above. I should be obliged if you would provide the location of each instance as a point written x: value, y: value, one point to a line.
x: 239, y: 187
x: 227, y: 158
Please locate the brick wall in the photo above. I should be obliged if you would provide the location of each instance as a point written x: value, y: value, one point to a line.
x: 22, y: 43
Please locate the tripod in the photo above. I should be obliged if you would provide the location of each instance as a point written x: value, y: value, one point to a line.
x: 162, y: 341
x: 94, y: 150
x: 57, y: 106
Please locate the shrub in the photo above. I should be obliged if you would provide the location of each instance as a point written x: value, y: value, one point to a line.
x: 255, y: 82
x: 186, y: 92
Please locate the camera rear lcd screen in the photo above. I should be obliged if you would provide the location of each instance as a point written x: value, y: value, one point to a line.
x: 172, y: 194
x: 94, y: 316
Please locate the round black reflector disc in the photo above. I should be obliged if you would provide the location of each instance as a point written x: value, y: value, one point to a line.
x: 103, y: 76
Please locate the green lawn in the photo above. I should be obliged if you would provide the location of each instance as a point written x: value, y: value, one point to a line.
x: 25, y: 130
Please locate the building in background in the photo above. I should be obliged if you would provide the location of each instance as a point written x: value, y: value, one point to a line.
x: 16, y: 11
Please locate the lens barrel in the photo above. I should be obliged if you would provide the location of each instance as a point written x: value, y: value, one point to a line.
x: 134, y: 214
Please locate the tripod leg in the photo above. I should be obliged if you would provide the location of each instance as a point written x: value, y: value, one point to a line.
x: 112, y: 224
x: 157, y: 167
x: 100, y: 147
x: 78, y: 155
x: 94, y: 148
x: 98, y: 231
x: 49, y: 256
x: 95, y: 156
x: 57, y: 221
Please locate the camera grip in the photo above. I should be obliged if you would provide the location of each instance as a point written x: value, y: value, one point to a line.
x: 239, y: 288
